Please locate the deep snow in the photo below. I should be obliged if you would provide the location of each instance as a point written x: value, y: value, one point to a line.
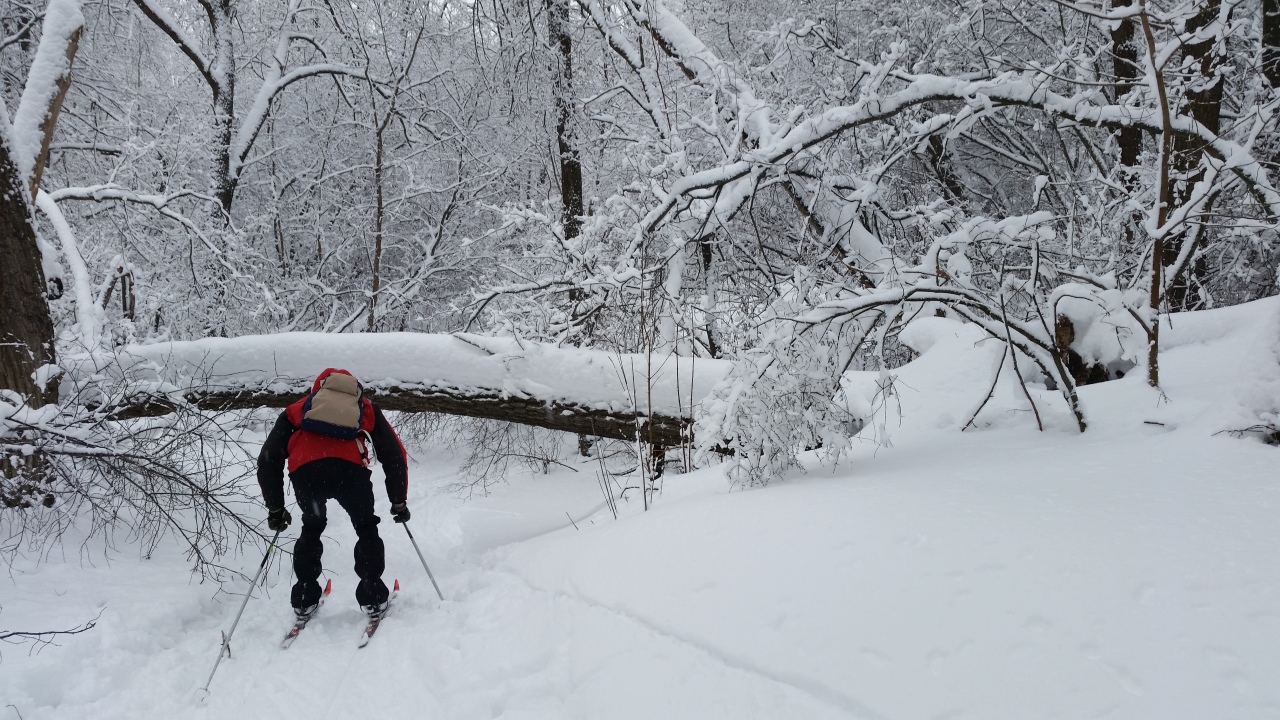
x: 1130, y: 572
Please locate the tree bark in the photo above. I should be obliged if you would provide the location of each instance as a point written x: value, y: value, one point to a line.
x: 706, y: 254
x: 1271, y: 41
x: 568, y: 417
x: 379, y: 210
x: 50, y: 120
x: 570, y: 165
x: 1204, y: 103
x: 1162, y: 206
x: 1128, y: 71
x: 26, y: 331
x: 224, y: 102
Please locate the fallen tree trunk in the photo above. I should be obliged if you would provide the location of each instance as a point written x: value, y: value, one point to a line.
x: 589, y: 392
x: 663, y: 430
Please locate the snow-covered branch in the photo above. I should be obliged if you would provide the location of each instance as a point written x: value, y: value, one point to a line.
x: 47, y: 83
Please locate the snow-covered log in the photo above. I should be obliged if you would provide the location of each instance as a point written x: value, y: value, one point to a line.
x: 575, y: 390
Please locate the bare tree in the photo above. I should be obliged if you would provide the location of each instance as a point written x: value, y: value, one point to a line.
x: 235, y: 135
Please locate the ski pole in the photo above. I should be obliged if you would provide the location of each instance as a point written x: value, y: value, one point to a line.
x: 226, y: 639
x: 424, y: 562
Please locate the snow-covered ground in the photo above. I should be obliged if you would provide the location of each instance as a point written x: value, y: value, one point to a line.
x: 1129, y: 572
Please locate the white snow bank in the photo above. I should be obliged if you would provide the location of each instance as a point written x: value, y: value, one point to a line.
x: 1004, y: 574
x: 941, y: 389
x: 1220, y: 371
x: 1130, y: 572
x: 289, y: 362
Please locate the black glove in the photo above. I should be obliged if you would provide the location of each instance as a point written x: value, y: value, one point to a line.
x: 400, y: 513
x: 278, y: 519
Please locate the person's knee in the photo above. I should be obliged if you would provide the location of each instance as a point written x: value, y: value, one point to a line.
x: 313, y: 527
x: 313, y: 511
x: 366, y: 527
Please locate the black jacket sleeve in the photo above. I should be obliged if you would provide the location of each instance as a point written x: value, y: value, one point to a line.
x: 395, y: 463
x: 271, y: 463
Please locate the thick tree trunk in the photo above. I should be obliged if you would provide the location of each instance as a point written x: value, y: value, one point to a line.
x: 1127, y: 66
x: 570, y: 165
x: 1204, y: 103
x: 26, y: 332
x: 1271, y: 41
x: 568, y: 417
x: 223, y: 87
x: 1128, y: 70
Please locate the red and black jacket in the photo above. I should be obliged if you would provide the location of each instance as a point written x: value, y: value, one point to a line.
x: 300, y: 447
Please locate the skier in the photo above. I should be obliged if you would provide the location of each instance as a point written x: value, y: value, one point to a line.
x: 330, y: 437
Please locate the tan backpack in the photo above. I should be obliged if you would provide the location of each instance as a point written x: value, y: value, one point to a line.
x: 337, y: 409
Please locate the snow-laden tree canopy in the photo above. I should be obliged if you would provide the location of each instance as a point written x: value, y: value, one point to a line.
x: 776, y: 190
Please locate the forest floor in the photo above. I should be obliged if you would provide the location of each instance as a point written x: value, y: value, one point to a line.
x: 1132, y: 571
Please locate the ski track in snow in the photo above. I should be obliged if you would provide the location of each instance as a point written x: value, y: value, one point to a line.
x: 800, y: 683
x: 1132, y: 572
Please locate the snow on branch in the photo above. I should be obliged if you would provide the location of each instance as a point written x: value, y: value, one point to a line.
x: 46, y: 86
x: 273, y: 85
x: 1024, y: 89
x: 171, y: 27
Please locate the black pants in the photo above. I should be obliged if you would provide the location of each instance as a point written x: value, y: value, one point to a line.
x: 314, y: 484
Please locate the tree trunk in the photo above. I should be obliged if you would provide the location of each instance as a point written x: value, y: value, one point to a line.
x: 1203, y: 103
x: 662, y: 430
x: 1162, y: 205
x: 570, y: 166
x: 935, y: 152
x: 709, y: 294
x: 1127, y: 69
x: 1271, y: 41
x: 50, y: 120
x: 378, y: 211
x: 223, y: 87
x: 219, y: 72
x: 26, y: 331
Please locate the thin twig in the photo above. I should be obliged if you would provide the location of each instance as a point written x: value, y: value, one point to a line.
x: 990, y: 393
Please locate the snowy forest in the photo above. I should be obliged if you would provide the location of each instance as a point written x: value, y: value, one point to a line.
x: 860, y: 358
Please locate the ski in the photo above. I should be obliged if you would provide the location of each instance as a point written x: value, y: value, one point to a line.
x: 299, y: 624
x: 376, y: 620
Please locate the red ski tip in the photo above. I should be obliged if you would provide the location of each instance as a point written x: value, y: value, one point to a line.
x: 328, y: 586
x: 397, y: 585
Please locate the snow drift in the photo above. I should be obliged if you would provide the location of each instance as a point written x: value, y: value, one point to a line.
x: 1128, y: 572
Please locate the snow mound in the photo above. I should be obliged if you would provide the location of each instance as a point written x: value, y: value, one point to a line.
x: 1220, y: 372
x: 944, y: 387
